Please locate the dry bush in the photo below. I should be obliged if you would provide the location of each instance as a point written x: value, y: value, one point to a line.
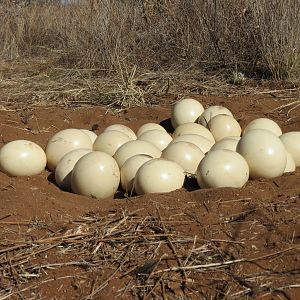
x: 277, y: 24
x: 260, y: 37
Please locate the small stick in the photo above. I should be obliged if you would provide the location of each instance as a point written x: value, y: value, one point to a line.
x: 226, y: 241
x: 13, y: 270
x: 242, y: 215
x: 30, y: 254
x: 292, y: 286
x: 6, y: 216
x: 171, y: 245
x: 285, y: 105
x: 120, y: 221
x: 13, y: 248
x: 24, y: 223
x: 223, y: 264
x: 33, y: 286
x: 235, y: 200
x: 70, y: 263
x: 276, y: 91
x: 155, y: 285
x: 191, y: 251
x: 195, y: 267
x: 37, y: 124
x: 291, y: 109
x: 103, y: 285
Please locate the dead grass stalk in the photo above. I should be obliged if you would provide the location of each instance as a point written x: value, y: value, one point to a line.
x: 259, y: 37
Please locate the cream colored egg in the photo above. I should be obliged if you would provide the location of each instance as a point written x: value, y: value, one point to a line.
x: 122, y: 128
x: 193, y: 128
x: 222, y: 168
x: 290, y: 163
x: 201, y: 142
x: 211, y: 112
x: 159, y: 176
x: 96, y: 174
x: 149, y: 126
x: 110, y: 141
x: 65, y: 167
x: 264, y: 153
x: 129, y: 170
x: 63, y: 142
x: 291, y: 141
x: 237, y: 138
x: 132, y: 148
x: 22, y: 158
x: 264, y: 123
x: 186, y: 111
x: 222, y: 126
x: 225, y: 144
x: 186, y: 154
x: 92, y: 135
x: 160, y: 139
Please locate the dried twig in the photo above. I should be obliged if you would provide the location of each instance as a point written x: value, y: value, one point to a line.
x: 226, y: 263
x: 127, y: 245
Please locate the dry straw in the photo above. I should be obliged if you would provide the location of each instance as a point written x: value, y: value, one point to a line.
x: 154, y: 259
x: 260, y: 37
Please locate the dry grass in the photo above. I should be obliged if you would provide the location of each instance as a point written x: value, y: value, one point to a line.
x: 40, y: 82
x: 149, y: 253
x: 260, y: 37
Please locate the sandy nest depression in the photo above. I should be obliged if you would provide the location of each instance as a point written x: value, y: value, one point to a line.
x: 189, y: 244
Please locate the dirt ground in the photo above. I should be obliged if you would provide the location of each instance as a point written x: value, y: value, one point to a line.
x: 190, y: 244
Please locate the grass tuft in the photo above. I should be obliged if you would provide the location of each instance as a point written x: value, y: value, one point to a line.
x: 260, y: 37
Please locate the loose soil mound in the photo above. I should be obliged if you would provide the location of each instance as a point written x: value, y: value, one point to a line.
x: 189, y: 244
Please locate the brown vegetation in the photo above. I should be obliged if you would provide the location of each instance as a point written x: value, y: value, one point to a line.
x: 259, y: 37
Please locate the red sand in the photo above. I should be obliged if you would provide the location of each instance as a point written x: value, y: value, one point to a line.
x: 256, y: 221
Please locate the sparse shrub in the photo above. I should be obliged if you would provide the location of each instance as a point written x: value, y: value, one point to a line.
x: 237, y: 78
x: 260, y: 37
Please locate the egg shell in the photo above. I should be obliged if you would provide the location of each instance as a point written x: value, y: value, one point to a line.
x: 158, y: 138
x: 159, y: 176
x: 63, y: 142
x: 291, y: 141
x: 201, y: 142
x: 132, y: 148
x: 129, y: 170
x: 222, y: 168
x: 225, y: 144
x: 222, y: 126
x: 186, y: 154
x: 186, y: 111
x: 290, y: 164
x: 96, y: 174
x: 64, y: 168
x: 264, y: 153
x: 193, y: 128
x: 149, y: 126
x: 263, y: 123
x: 22, y: 158
x: 110, y: 141
x: 122, y: 128
x: 92, y: 135
x: 211, y: 112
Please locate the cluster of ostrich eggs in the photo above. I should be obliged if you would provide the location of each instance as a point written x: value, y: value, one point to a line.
x: 206, y: 143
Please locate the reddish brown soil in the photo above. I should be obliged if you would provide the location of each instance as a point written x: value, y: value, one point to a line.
x: 42, y: 225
